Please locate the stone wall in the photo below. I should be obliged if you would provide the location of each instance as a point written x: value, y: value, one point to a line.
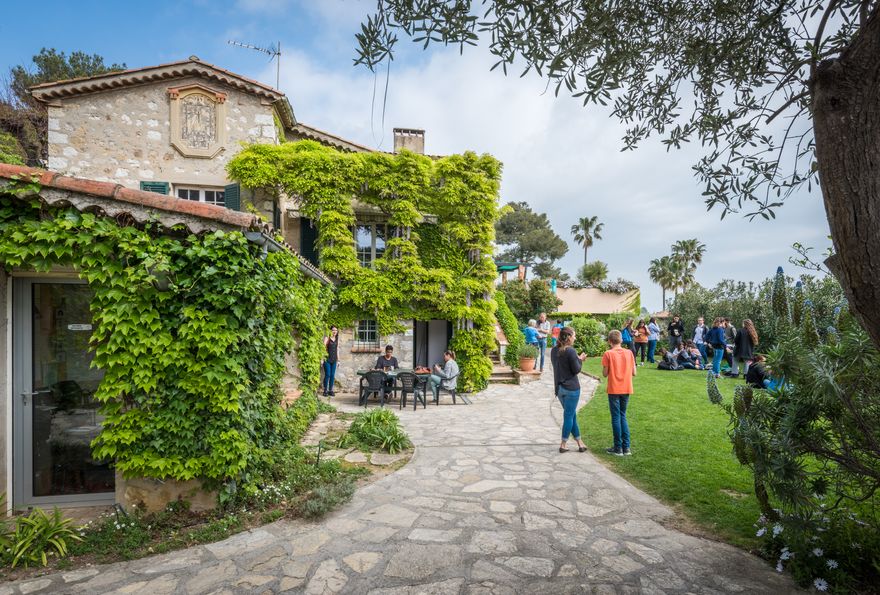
x: 124, y: 135
x: 5, y: 377
x: 350, y: 361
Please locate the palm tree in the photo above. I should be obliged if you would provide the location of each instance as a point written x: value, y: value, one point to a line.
x: 662, y: 272
x: 690, y: 254
x: 587, y: 230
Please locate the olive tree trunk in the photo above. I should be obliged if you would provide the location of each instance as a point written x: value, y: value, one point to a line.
x: 846, y: 120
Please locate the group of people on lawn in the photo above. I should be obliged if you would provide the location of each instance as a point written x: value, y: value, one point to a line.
x: 702, y: 349
x: 619, y: 366
x: 441, y: 376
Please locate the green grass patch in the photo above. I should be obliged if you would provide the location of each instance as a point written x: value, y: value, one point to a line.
x: 681, y: 452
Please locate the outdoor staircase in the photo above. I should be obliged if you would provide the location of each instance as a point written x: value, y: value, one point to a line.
x: 501, y: 372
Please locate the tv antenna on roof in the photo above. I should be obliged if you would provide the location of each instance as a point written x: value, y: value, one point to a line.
x: 273, y: 51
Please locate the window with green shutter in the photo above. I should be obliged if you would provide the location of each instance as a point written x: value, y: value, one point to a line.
x: 157, y: 187
x: 232, y: 197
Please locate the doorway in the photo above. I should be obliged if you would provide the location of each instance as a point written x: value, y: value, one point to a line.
x: 431, y: 340
x: 54, y: 414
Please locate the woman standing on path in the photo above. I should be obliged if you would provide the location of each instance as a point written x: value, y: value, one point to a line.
x: 744, y: 347
x: 715, y: 338
x: 331, y: 345
x: 640, y: 341
x: 567, y: 387
x: 653, y: 337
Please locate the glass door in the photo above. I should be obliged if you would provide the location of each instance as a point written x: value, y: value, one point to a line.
x: 55, y: 417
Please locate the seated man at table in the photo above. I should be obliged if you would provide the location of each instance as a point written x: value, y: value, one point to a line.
x: 388, y: 360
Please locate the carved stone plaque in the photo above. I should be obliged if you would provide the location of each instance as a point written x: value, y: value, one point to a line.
x: 198, y: 116
x: 198, y: 121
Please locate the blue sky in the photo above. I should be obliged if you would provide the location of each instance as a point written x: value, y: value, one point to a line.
x: 561, y: 158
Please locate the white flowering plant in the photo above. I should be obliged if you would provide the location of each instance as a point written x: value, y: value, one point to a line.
x: 830, y: 550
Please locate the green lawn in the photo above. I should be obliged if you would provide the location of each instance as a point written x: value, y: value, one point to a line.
x: 681, y: 452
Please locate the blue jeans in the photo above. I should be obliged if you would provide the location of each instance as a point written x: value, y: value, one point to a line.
x: 542, y: 347
x: 716, y: 360
x: 619, y: 427
x: 329, y: 375
x: 569, y: 400
x: 652, y: 347
x: 435, y: 382
x: 702, y: 348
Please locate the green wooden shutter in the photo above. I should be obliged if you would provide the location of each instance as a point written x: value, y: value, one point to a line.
x: 308, y: 233
x: 157, y: 187
x: 232, y: 197
x: 276, y: 216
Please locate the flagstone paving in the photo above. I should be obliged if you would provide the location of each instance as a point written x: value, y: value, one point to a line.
x: 486, y: 506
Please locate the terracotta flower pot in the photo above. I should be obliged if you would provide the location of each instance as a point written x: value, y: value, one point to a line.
x: 527, y: 364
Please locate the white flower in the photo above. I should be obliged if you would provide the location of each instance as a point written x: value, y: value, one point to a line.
x: 761, y: 532
x: 779, y: 566
x: 818, y: 552
x: 785, y: 555
x: 821, y: 584
x: 832, y: 564
x: 777, y: 529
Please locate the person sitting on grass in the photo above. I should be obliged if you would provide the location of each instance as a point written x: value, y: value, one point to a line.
x: 695, y: 354
x: 619, y: 367
x: 683, y: 357
x: 758, y: 376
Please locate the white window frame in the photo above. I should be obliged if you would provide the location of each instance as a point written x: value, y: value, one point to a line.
x: 366, y: 335
x: 367, y: 261
x: 202, y: 193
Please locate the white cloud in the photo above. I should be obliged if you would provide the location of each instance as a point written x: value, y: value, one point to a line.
x: 558, y: 156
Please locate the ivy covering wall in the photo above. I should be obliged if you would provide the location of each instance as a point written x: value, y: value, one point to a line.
x: 511, y: 328
x: 190, y: 331
x: 437, y: 262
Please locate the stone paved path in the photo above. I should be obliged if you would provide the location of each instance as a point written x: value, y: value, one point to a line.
x: 486, y: 506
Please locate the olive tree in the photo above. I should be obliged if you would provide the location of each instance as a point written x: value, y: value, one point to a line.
x: 781, y: 93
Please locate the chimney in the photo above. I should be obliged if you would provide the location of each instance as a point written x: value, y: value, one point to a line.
x: 410, y: 139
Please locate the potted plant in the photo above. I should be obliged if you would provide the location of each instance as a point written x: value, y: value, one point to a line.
x: 527, y: 356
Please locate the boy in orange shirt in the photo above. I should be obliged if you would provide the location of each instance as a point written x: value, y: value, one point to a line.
x: 619, y: 367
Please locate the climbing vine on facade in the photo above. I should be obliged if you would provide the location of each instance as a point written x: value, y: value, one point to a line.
x: 440, y: 215
x: 189, y: 330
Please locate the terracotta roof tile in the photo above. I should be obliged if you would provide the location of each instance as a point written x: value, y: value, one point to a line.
x: 151, y: 201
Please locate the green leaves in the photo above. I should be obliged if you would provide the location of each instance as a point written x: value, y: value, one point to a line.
x: 428, y: 270
x: 191, y: 370
x: 36, y: 537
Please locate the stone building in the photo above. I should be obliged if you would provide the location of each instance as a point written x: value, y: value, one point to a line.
x: 172, y: 129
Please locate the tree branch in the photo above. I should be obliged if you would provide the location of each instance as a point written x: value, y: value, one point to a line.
x: 787, y: 104
x: 821, y: 30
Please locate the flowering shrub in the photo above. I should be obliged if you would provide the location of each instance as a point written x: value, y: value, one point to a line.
x: 831, y: 551
x: 619, y: 286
